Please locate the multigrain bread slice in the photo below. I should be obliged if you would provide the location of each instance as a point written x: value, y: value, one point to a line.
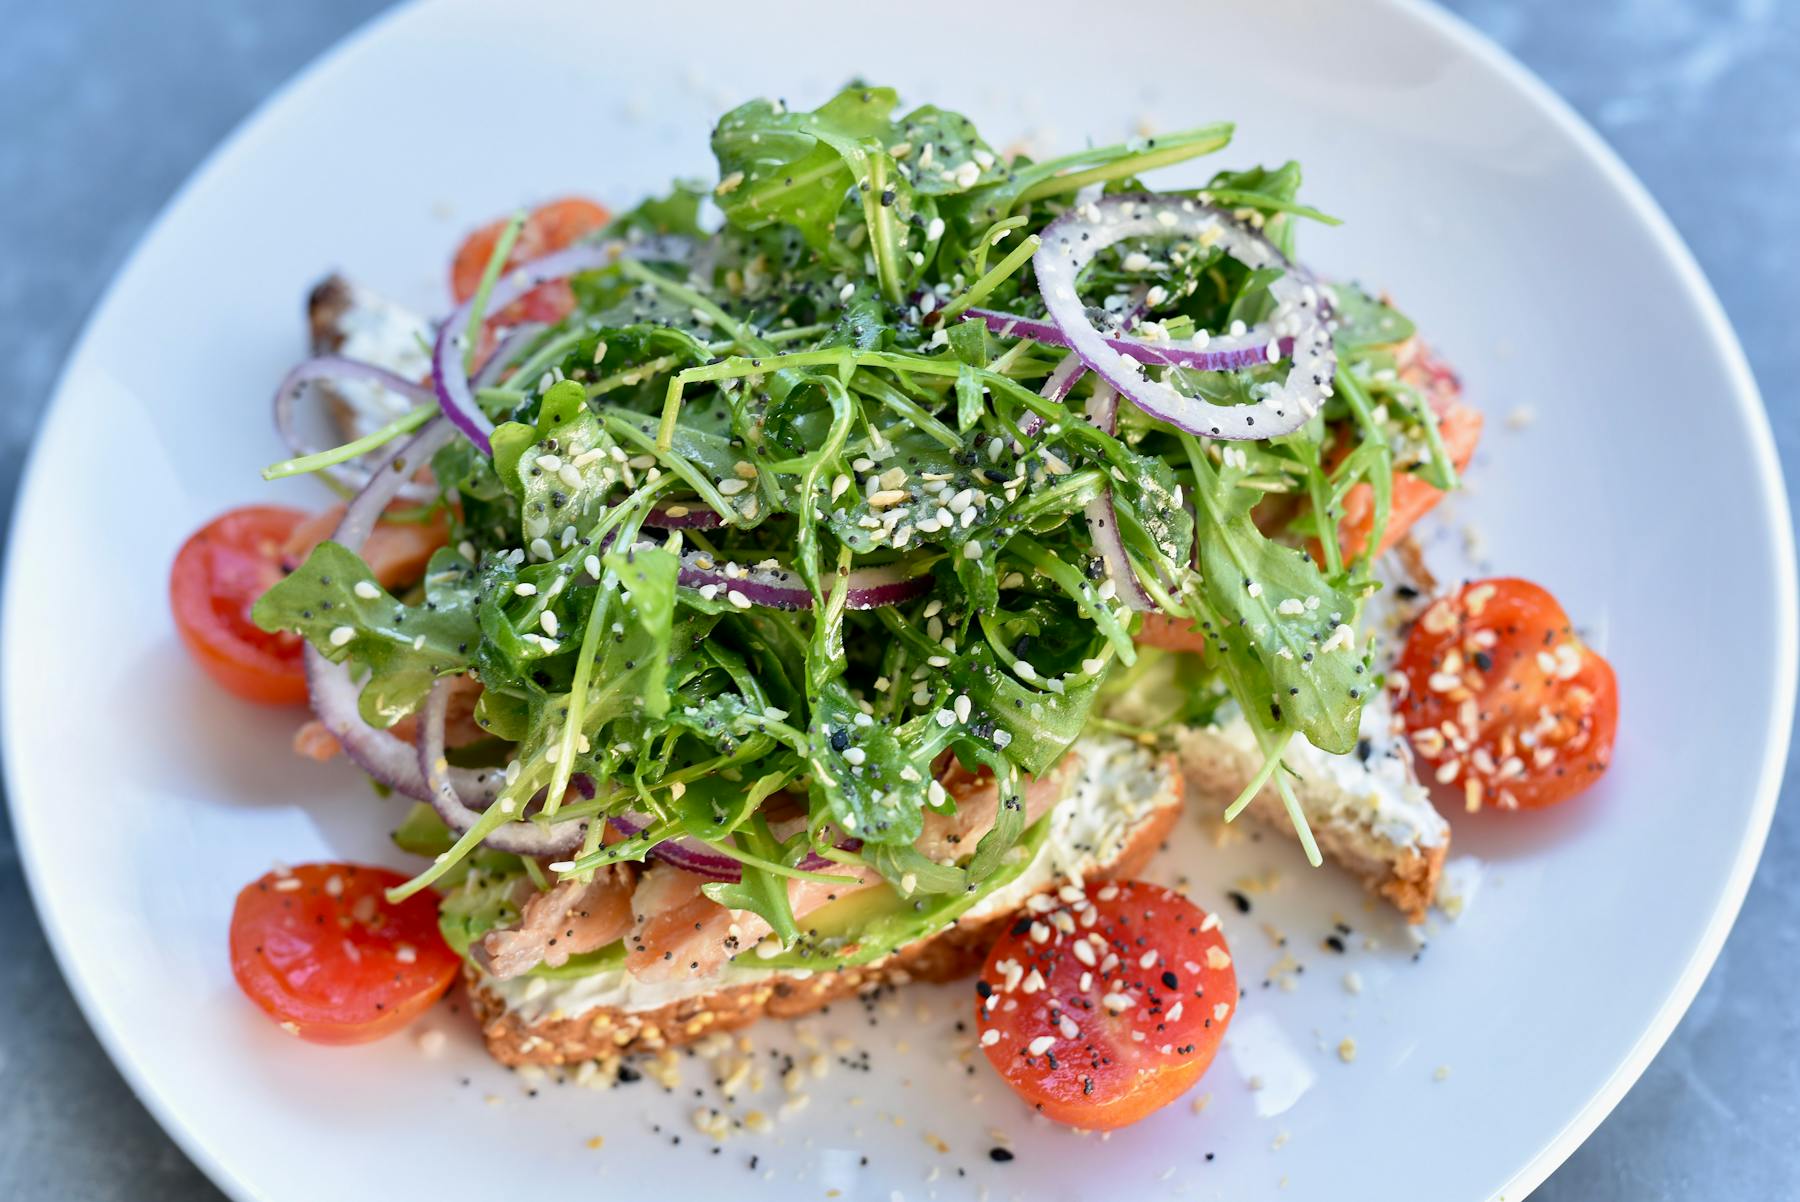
x: 1368, y: 811
x: 1131, y: 796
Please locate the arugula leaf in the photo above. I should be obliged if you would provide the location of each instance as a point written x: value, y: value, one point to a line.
x: 1269, y: 191
x: 760, y: 891
x: 1284, y: 626
x: 873, y: 788
x: 661, y: 216
x: 795, y: 168
x: 333, y: 601
x: 1365, y: 322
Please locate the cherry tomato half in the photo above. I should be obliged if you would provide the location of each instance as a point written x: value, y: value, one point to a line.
x: 324, y: 954
x: 1104, y: 1009
x: 550, y: 227
x: 1502, y: 701
x: 217, y: 576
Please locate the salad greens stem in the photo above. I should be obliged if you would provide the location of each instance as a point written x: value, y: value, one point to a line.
x: 1271, y: 763
x: 411, y: 420
x: 490, y: 275
x: 1204, y: 141
x: 993, y: 236
x: 636, y: 374
x: 984, y: 287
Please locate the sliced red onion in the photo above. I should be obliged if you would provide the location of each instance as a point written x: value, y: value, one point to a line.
x: 687, y: 854
x: 1056, y: 387
x: 519, y: 838
x: 780, y: 588
x: 448, y: 375
x: 392, y: 761
x: 452, y: 382
x: 1298, y: 324
x: 1103, y: 516
x: 504, y: 353
x: 352, y: 474
x: 694, y: 856
x: 1224, y: 353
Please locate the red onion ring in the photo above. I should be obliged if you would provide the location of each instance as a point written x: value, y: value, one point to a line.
x: 1224, y: 353
x: 519, y: 838
x: 392, y: 761
x: 451, y: 381
x: 780, y: 588
x: 691, y: 855
x: 1071, y: 242
x: 502, y: 358
x: 351, y: 474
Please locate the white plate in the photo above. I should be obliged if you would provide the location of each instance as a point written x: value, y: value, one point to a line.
x: 143, y: 798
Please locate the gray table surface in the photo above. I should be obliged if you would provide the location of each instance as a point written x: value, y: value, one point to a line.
x: 107, y: 105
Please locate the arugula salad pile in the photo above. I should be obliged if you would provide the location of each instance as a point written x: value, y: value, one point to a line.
x: 770, y: 517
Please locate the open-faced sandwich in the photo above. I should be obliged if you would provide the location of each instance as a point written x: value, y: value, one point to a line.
x: 842, y: 574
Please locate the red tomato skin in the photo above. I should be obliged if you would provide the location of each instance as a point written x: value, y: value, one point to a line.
x: 338, y: 964
x: 550, y: 227
x: 217, y: 576
x: 1518, y: 668
x: 1104, y: 1077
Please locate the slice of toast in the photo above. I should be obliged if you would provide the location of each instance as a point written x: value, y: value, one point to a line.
x: 1112, y: 823
x: 1368, y: 811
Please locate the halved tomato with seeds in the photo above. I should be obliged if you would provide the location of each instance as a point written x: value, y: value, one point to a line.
x: 217, y: 576
x: 324, y: 953
x: 1502, y: 701
x: 1102, y: 1005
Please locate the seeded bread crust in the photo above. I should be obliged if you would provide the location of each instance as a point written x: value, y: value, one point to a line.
x: 958, y: 950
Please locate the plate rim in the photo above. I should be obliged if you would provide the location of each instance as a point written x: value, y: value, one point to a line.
x: 1745, y: 394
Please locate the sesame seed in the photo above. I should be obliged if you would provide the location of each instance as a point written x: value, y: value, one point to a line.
x: 366, y: 590
x: 737, y: 598
x: 342, y: 635
x: 1040, y: 1045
